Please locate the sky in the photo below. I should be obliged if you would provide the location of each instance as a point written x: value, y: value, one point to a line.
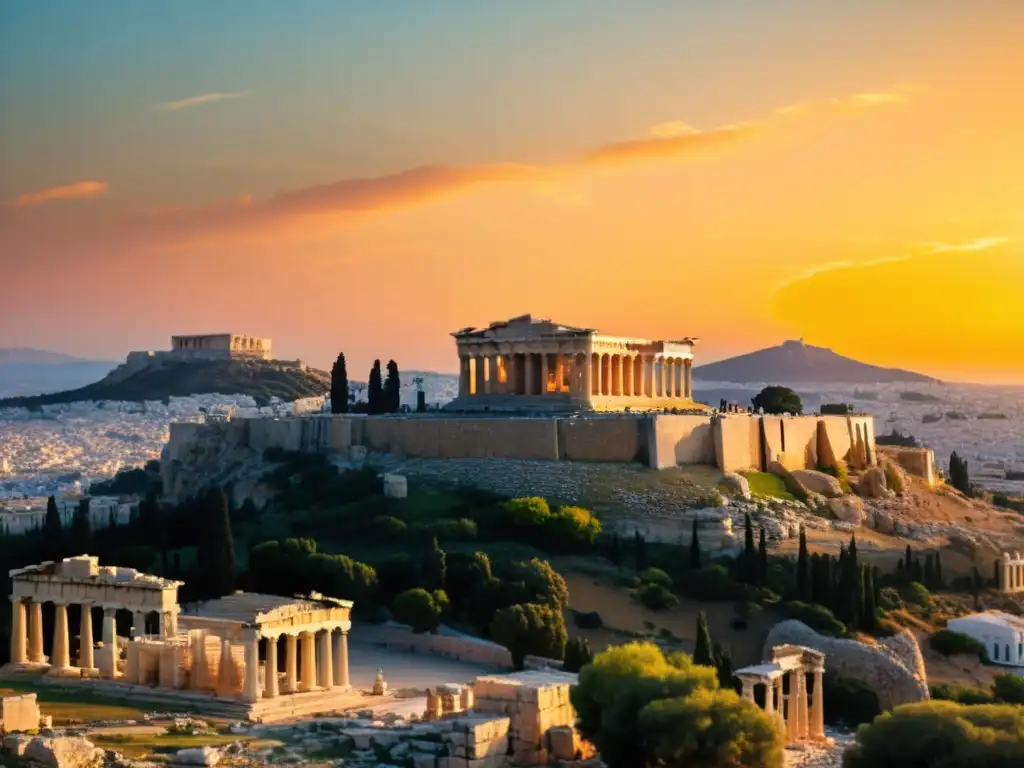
x: 369, y: 177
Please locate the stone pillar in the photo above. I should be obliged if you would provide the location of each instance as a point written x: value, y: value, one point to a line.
x: 270, y: 678
x: 341, y: 659
x: 545, y: 372
x: 61, y: 654
x: 251, y: 689
x: 780, y: 704
x: 492, y: 378
x: 19, y: 634
x: 169, y: 623
x: 108, y: 658
x: 560, y: 367
x: 688, y: 375
x: 748, y: 690
x: 326, y: 676
x: 599, y: 375
x: 463, y: 376
x: 308, y: 662
x: 478, y: 374
x: 619, y: 377
x: 802, y: 706
x: 138, y: 624
x: 588, y: 376
x: 817, y: 724
x: 527, y: 374
x: 792, y: 705
x: 769, y: 697
x: 85, y: 644
x: 35, y: 633
x: 663, y: 376
x: 291, y: 663
x: 649, y: 370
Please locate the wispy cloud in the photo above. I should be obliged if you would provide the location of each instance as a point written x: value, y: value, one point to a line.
x: 981, y: 244
x: 80, y: 190
x: 200, y: 100
x: 350, y: 199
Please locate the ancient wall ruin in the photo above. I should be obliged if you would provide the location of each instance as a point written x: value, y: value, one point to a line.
x: 675, y: 440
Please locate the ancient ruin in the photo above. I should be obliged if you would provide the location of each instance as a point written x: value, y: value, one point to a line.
x: 225, y: 653
x: 801, y: 713
x: 525, y: 364
x: 1011, y: 573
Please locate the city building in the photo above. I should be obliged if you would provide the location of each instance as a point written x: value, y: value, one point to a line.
x: 527, y: 364
x: 1001, y: 634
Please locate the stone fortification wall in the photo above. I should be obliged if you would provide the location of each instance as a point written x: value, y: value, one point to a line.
x: 919, y: 462
x: 461, y: 647
x: 737, y: 442
x: 894, y: 671
x: 460, y: 437
x: 675, y: 440
x: 603, y: 439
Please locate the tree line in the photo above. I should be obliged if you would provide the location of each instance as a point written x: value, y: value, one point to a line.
x: 382, y: 394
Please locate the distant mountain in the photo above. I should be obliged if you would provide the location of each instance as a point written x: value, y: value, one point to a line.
x: 259, y: 379
x: 794, y: 362
x: 29, y: 356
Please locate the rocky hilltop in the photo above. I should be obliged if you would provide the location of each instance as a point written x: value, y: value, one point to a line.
x: 259, y: 379
x: 794, y: 362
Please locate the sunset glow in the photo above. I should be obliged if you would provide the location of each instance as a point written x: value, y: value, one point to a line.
x: 847, y: 172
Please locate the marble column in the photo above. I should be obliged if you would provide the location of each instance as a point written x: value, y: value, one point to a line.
x: 326, y: 676
x: 108, y: 655
x: 35, y: 633
x: 291, y: 663
x: 480, y: 383
x: 85, y: 643
x: 619, y: 378
x: 19, y: 635
x: 169, y: 623
x: 308, y: 662
x: 560, y: 368
x: 138, y: 624
x: 598, y: 383
x: 61, y: 654
x: 688, y: 374
x: 492, y: 378
x: 748, y: 690
x: 780, y: 704
x: 769, y: 697
x: 792, y: 705
x: 588, y: 376
x: 251, y: 689
x: 341, y: 659
x: 463, y: 376
x: 270, y: 678
x: 818, y: 706
x: 649, y: 387
x: 528, y: 374
x: 802, y: 706
x: 545, y: 372
x: 663, y: 377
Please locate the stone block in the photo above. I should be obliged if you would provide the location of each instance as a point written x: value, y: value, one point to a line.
x: 562, y: 742
x: 19, y: 713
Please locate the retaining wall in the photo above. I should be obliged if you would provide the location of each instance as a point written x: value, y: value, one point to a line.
x: 463, y: 648
x: 675, y: 440
x: 602, y: 439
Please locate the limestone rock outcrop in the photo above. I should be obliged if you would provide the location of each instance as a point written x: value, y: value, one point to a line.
x: 818, y: 482
x: 196, y: 756
x: 849, y: 509
x: 872, y: 485
x: 881, y: 520
x: 893, y: 669
x: 737, y: 484
x: 64, y: 752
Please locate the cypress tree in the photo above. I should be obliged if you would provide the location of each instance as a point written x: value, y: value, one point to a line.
x: 803, y: 570
x: 392, y: 389
x: 435, y: 568
x: 615, y: 550
x: 81, y: 528
x: 639, y: 550
x: 749, y: 552
x: 762, y: 559
x: 937, y: 571
x: 869, y: 619
x: 703, y: 653
x: 694, y: 546
x: 909, y: 566
x: 339, y: 385
x: 929, y: 579
x: 375, y: 390
x: 723, y: 662
x: 53, y: 532
x: 215, y: 556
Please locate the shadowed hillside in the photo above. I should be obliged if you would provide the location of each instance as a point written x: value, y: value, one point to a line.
x: 261, y: 380
x: 794, y: 362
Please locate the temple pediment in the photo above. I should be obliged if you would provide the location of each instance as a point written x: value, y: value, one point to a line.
x: 520, y: 327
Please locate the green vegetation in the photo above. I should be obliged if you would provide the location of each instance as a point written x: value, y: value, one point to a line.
x: 959, y: 476
x: 934, y: 733
x: 420, y: 609
x: 139, y: 481
x: 1007, y: 689
x: 530, y: 629
x: 764, y: 485
x: 778, y: 400
x: 641, y: 708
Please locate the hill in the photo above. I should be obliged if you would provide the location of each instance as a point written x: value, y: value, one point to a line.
x: 261, y: 380
x: 29, y: 356
x: 794, y: 362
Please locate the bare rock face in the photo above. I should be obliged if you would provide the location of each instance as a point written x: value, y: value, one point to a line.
x: 818, y: 482
x: 882, y: 521
x: 849, y: 509
x: 737, y: 484
x: 893, y: 669
x: 64, y: 752
x: 196, y: 756
x: 872, y: 485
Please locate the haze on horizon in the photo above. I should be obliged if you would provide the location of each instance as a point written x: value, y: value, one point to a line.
x: 849, y: 172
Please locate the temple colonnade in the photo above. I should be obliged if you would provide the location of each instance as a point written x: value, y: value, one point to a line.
x: 800, y: 711
x: 313, y: 661
x: 1011, y: 572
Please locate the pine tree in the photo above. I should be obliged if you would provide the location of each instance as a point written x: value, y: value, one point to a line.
x: 749, y: 564
x: 639, y: 550
x: 803, y: 569
x: 375, y: 390
x: 762, y: 559
x: 694, y: 546
x: 81, y: 528
x: 392, y: 389
x: 869, y: 619
x: 703, y: 652
x: 53, y: 532
x: 215, y: 556
x: 339, y: 385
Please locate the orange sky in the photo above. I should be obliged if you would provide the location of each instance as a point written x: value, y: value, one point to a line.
x: 880, y: 215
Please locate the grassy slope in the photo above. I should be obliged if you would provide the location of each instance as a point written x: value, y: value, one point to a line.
x: 227, y: 377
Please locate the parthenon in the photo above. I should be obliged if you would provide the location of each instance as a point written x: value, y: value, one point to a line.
x: 526, y: 364
x: 225, y: 652
x: 797, y: 721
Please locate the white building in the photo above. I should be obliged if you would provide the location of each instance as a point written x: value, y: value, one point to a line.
x: 19, y: 516
x: 1000, y: 633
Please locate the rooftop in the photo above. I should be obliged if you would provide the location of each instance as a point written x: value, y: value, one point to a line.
x: 85, y: 569
x: 251, y: 608
x: 995, y: 619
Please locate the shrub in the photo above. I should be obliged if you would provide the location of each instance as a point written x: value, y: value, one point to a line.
x: 711, y: 583
x: 917, y: 594
x: 530, y: 629
x: 418, y: 609
x: 849, y: 702
x: 893, y: 479
x: 540, y: 583
x: 817, y: 617
x: 655, y: 576
x: 950, y: 643
x: 387, y: 527
x: 934, y: 733
x: 962, y: 694
x: 1009, y: 689
x: 571, y: 528
x: 889, y: 599
x: 528, y: 511
x: 778, y: 400
x: 447, y: 529
x: 656, y: 597
x: 465, y: 575
x: 588, y: 620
